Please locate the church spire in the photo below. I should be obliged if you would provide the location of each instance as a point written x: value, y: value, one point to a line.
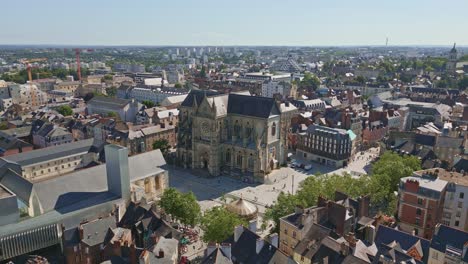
x: 454, y: 50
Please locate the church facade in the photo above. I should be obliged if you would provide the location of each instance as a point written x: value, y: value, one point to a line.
x: 234, y: 134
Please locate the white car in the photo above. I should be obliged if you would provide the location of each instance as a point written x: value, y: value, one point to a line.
x: 295, y: 164
x: 307, y: 167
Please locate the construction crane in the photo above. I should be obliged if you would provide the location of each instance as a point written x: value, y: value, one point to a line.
x: 32, y: 92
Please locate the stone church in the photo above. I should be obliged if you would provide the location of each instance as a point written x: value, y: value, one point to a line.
x: 234, y: 134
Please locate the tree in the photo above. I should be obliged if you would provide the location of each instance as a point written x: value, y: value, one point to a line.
x: 218, y: 224
x: 65, y: 110
x: 148, y: 104
x: 181, y: 206
x: 178, y: 85
x: 380, y: 185
x: 163, y: 145
x: 386, y: 175
x: 463, y: 83
x: 3, y: 126
x: 108, y: 77
x: 310, y: 81
x: 360, y: 79
x: 111, y: 91
x: 112, y: 114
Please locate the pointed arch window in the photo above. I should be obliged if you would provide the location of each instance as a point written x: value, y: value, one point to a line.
x: 273, y: 129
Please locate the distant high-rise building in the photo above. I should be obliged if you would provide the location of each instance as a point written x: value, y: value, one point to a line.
x: 177, y: 51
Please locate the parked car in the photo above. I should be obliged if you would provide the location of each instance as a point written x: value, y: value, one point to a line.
x: 295, y: 164
x: 307, y: 167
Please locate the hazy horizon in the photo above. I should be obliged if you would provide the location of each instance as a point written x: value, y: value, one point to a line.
x: 242, y: 23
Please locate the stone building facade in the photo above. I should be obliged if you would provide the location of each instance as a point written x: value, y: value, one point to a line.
x: 235, y: 134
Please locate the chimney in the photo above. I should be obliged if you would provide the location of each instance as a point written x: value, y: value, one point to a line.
x: 144, y: 258
x: 370, y: 234
x: 344, y: 249
x: 133, y: 258
x: 118, y: 178
x: 238, y: 230
x: 436, y: 229
x: 274, y: 240
x: 363, y: 206
x: 211, y: 248
x: 465, y: 248
x: 259, y: 245
x: 226, y: 249
x: 299, y: 209
x: 155, y: 239
x: 253, y: 225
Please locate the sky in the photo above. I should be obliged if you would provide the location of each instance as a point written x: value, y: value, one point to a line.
x: 241, y: 22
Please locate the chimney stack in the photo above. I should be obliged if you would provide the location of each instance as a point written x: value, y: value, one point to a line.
x: 118, y: 178
x: 274, y: 240
x: 259, y: 245
x: 238, y: 230
x: 226, y: 249
x: 253, y: 225
x: 211, y: 248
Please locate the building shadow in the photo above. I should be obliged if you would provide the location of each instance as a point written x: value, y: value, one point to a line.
x: 74, y: 201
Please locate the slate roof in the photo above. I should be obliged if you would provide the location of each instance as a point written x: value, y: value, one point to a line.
x: 94, y: 233
x: 386, y: 235
x: 198, y: 96
x: 216, y: 257
x: 18, y: 132
x: 449, y: 238
x: 50, y: 153
x: 462, y: 164
x: 21, y: 187
x: 244, y: 250
x: 396, y: 254
x: 108, y: 102
x: 12, y: 143
x: 449, y: 142
x: 309, y: 245
x: 239, y: 104
x: 252, y: 105
x: 425, y: 140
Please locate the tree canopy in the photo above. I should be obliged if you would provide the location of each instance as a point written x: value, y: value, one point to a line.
x: 380, y: 185
x: 65, y: 110
x: 148, y: 104
x: 218, y: 224
x: 181, y: 206
x: 310, y: 81
x: 463, y: 83
x: 163, y: 145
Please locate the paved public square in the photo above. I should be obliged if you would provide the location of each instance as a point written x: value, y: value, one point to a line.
x: 210, y: 190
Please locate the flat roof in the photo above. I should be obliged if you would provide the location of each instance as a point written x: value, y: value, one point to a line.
x: 450, y: 176
x: 434, y: 184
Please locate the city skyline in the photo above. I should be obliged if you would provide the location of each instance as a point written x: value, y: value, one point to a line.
x: 264, y: 23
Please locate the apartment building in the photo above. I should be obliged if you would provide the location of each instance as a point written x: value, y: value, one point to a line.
x: 326, y: 145
x: 421, y: 202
